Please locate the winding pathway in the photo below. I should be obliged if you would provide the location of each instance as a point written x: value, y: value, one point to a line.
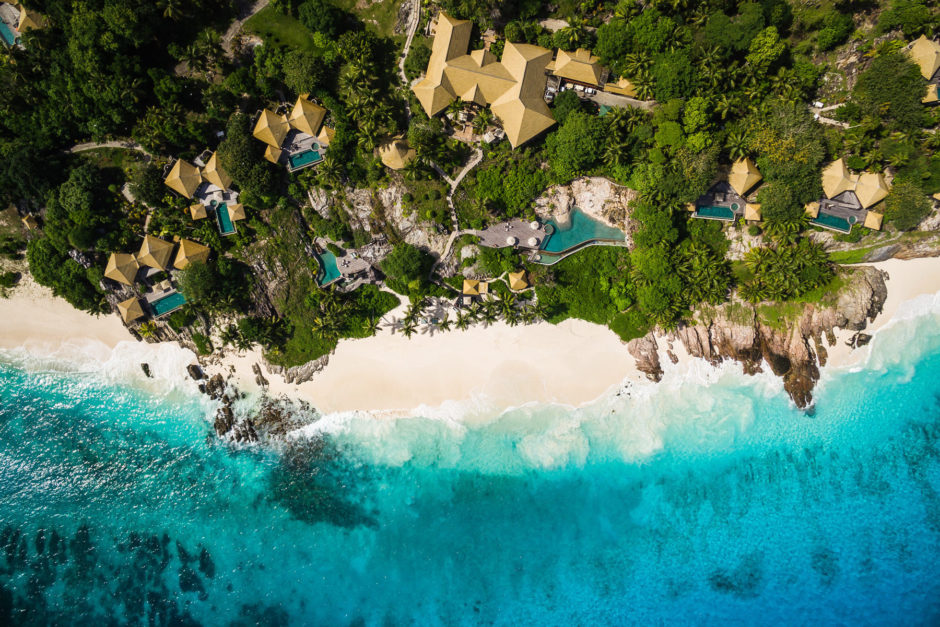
x: 453, y: 183
x: 415, y: 19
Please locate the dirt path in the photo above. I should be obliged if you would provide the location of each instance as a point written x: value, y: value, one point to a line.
x: 236, y: 26
x: 126, y: 144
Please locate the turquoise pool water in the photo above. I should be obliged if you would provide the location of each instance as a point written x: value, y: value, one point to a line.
x: 700, y: 501
x: 830, y: 221
x: 583, y: 228
x: 303, y: 158
x: 6, y: 34
x: 329, y: 271
x: 717, y: 213
x: 169, y: 303
x: 226, y: 226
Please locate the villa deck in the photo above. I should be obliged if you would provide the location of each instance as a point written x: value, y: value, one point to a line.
x: 513, y: 233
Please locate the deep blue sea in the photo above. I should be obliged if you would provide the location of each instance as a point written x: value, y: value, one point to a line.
x: 692, y: 502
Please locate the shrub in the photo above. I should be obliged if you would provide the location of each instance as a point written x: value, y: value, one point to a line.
x: 9, y: 279
x: 836, y: 29
x: 203, y: 344
x: 753, y: 230
x: 906, y: 206
x: 336, y: 250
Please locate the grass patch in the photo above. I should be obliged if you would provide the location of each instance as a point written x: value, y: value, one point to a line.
x: 778, y: 315
x: 380, y: 14
x: 280, y: 30
x: 855, y: 255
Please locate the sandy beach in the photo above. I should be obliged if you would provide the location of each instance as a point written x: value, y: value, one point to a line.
x: 498, y: 366
x: 32, y: 318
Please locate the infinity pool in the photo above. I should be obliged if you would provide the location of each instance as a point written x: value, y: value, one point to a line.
x: 829, y: 221
x: 169, y: 303
x: 329, y: 271
x: 301, y: 159
x: 6, y: 34
x: 583, y: 228
x: 226, y: 226
x: 715, y: 213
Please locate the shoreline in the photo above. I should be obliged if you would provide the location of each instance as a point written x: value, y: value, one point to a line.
x: 574, y: 363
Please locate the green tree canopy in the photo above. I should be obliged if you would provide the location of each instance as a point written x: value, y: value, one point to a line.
x: 891, y: 90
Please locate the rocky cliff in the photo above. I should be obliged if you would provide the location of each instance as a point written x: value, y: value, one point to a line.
x: 790, y: 345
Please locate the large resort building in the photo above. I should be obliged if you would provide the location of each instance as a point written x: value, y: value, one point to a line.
x: 299, y: 139
x: 514, y: 88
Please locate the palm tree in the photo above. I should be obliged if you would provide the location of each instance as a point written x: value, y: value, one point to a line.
x: 229, y: 335
x: 147, y: 329
x: 408, y: 328
x: 463, y: 321
x: 454, y: 109
x: 644, y: 89
x: 372, y: 325
x: 737, y: 143
x: 172, y: 9
x: 444, y: 322
x: 482, y: 121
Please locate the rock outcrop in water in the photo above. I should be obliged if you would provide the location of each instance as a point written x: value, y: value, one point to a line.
x: 791, y: 347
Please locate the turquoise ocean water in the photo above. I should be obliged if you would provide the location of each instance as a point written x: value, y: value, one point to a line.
x: 696, y: 501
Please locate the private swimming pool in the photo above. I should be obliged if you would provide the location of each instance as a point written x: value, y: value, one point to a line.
x: 829, y: 221
x: 224, y: 220
x: 329, y: 271
x: 169, y: 303
x: 6, y: 34
x: 583, y: 228
x: 304, y: 158
x: 715, y: 213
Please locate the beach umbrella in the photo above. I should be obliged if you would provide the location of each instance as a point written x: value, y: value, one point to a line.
x: 534, y: 225
x: 189, y: 252
x: 155, y: 252
x: 533, y: 242
x: 130, y: 309
x: 511, y: 240
x: 122, y: 267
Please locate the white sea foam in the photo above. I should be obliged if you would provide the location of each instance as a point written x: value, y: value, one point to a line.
x: 120, y: 365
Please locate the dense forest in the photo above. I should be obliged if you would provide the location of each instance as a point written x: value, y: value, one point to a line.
x: 729, y: 79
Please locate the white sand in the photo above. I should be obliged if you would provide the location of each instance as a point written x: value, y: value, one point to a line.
x: 32, y: 318
x: 572, y: 363
x: 907, y: 279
